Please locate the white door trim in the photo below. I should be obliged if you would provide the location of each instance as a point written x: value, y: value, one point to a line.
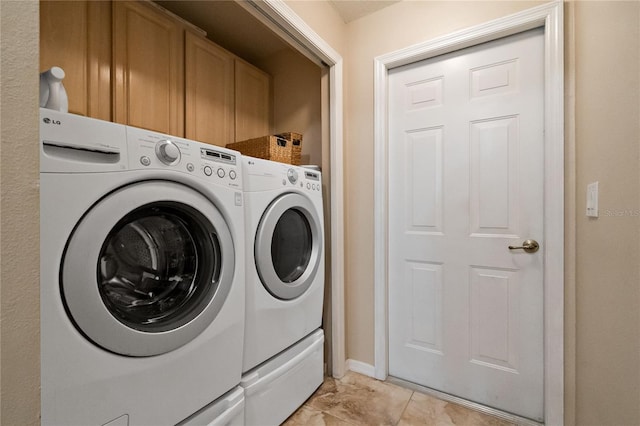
x: 550, y: 17
x: 281, y: 19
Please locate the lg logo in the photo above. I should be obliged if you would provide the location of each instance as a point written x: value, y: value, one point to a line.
x: 50, y: 121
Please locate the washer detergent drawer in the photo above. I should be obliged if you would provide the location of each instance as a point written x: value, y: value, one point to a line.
x: 277, y: 388
x: 228, y: 410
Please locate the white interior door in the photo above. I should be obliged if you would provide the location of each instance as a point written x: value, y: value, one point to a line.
x: 465, y: 183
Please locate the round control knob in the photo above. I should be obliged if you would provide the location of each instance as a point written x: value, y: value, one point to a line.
x: 220, y: 173
x: 207, y: 170
x: 168, y: 152
x: 145, y: 161
x: 232, y: 174
x: 292, y: 175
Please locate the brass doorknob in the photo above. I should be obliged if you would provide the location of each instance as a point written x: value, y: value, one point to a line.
x: 530, y: 246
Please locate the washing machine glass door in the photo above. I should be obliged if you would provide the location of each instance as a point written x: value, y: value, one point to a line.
x: 288, y: 246
x: 148, y: 268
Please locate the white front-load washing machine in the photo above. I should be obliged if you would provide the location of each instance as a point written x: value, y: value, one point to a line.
x: 283, y: 346
x: 142, y: 274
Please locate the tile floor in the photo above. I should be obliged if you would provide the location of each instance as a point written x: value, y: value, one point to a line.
x: 360, y: 400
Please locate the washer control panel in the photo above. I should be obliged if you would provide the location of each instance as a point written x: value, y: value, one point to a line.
x: 150, y: 150
x: 222, y: 164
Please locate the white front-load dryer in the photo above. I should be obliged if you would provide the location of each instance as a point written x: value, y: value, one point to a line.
x: 283, y: 353
x: 142, y: 273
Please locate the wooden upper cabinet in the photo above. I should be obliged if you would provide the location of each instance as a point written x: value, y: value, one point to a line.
x: 133, y: 63
x: 253, y: 112
x: 76, y: 36
x: 209, y: 103
x: 148, y: 59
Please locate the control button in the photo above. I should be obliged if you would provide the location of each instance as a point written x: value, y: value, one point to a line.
x: 292, y: 175
x: 308, y: 185
x: 318, y: 187
x: 220, y: 173
x: 313, y: 186
x: 190, y: 167
x: 207, y: 170
x: 168, y: 152
x: 284, y: 181
x: 232, y: 174
x: 145, y: 161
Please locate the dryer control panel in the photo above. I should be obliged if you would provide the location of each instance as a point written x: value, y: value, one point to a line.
x: 151, y: 150
x: 312, y: 180
x: 264, y: 175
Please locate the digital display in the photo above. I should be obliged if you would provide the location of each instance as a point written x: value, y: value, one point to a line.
x: 211, y: 154
x: 311, y: 176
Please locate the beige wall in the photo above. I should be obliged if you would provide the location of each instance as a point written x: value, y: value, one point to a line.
x: 324, y: 20
x: 607, y: 95
x: 19, y: 246
x: 296, y: 100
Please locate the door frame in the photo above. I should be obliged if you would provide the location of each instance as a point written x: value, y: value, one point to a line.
x: 282, y: 20
x: 550, y: 17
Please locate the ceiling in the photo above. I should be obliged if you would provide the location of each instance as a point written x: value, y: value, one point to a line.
x: 230, y: 26
x: 350, y: 10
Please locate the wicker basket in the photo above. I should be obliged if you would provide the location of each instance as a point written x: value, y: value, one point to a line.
x: 296, y: 145
x: 285, y: 147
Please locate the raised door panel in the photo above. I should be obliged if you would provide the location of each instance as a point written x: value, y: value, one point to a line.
x: 76, y: 36
x: 494, y: 145
x: 252, y: 102
x: 209, y: 102
x: 149, y: 68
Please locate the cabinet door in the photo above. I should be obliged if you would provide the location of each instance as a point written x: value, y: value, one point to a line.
x: 76, y: 36
x: 149, y: 68
x: 253, y: 118
x: 209, y: 91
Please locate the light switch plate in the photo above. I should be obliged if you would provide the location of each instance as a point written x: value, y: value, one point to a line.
x: 592, y: 199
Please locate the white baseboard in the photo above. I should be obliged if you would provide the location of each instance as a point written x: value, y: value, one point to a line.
x: 361, y: 367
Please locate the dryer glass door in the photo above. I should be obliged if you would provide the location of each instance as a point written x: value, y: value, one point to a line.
x: 288, y: 246
x: 291, y: 245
